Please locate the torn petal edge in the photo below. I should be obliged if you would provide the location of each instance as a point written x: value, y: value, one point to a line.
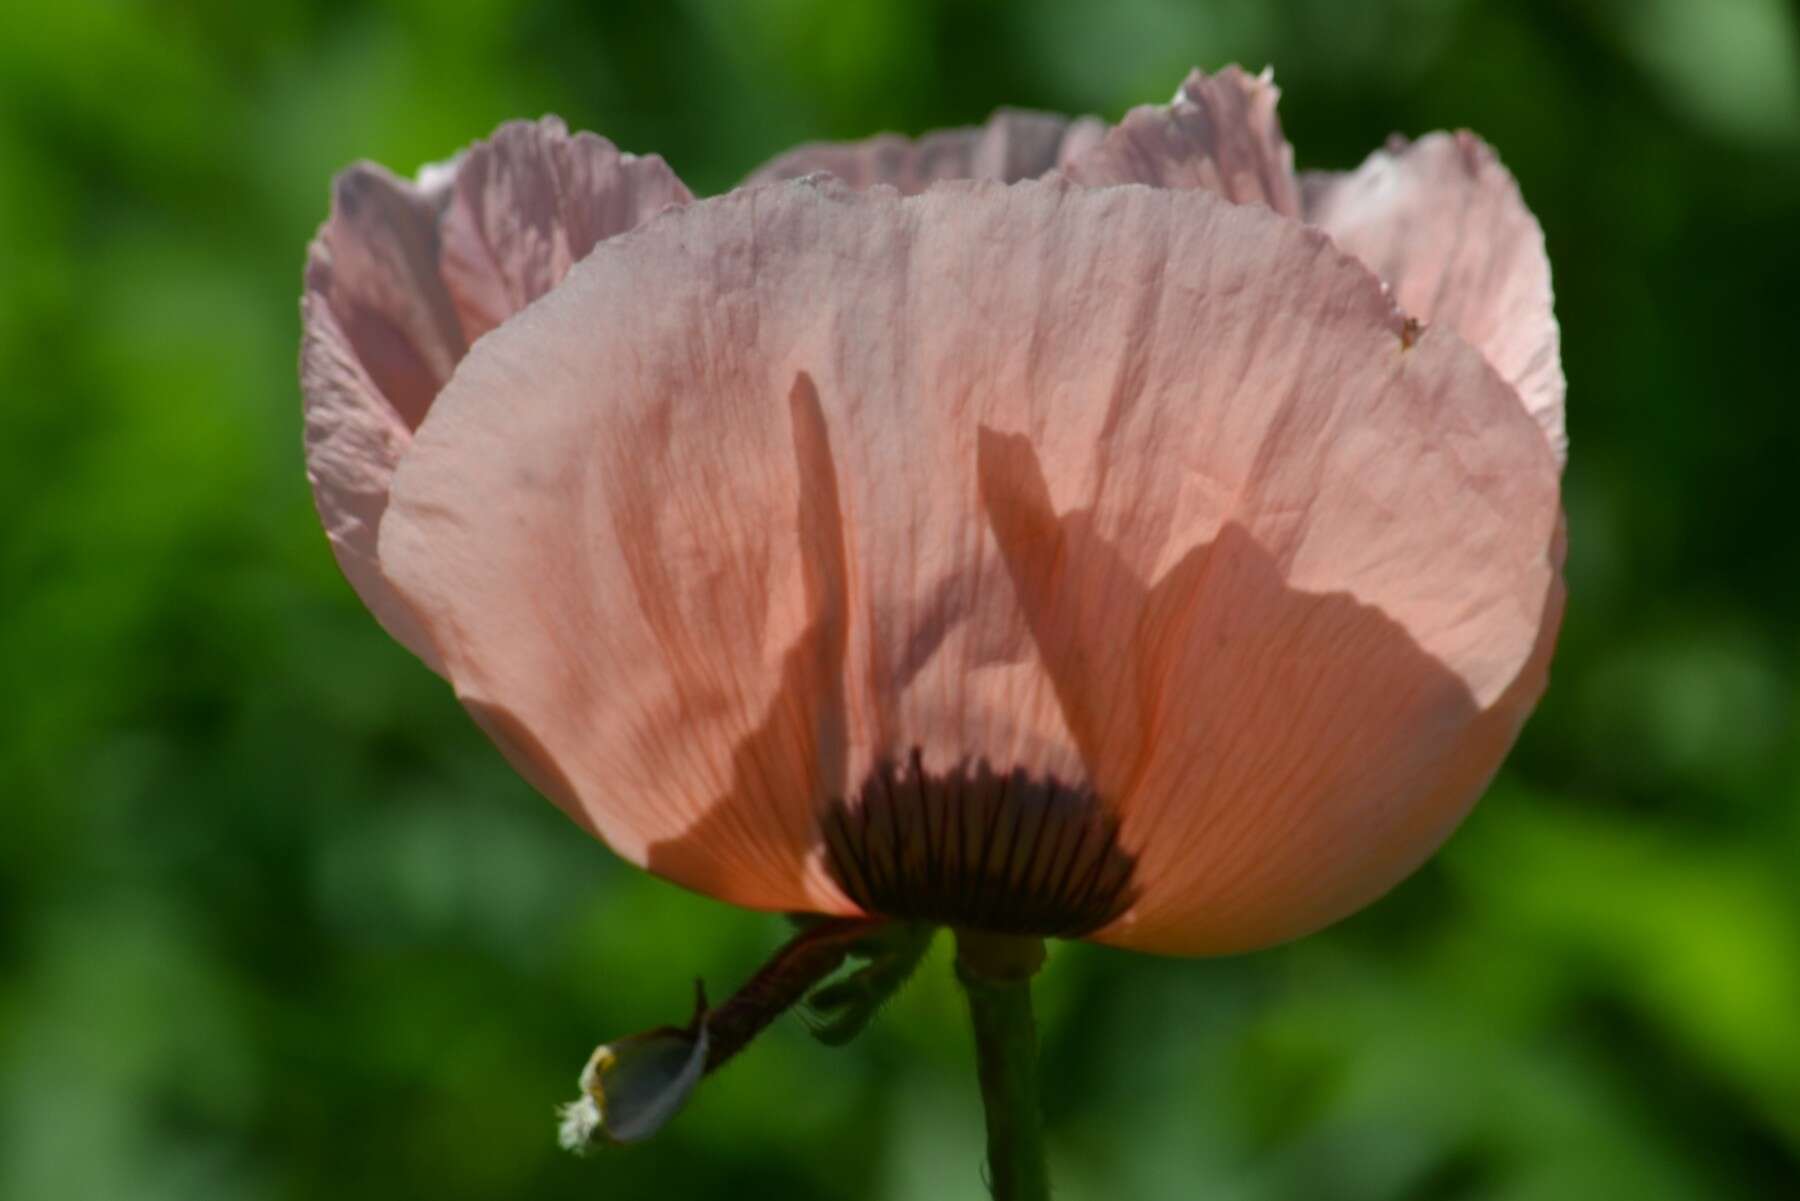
x: 1219, y: 132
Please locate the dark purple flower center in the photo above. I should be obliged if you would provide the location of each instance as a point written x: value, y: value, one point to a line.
x: 1010, y: 852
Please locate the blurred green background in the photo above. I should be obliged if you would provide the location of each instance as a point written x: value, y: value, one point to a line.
x: 276, y: 922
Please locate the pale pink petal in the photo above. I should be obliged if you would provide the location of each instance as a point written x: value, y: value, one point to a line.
x: 353, y: 440
x: 1013, y: 145
x: 379, y: 339
x: 1220, y: 133
x: 530, y: 202
x: 1442, y: 221
x: 1137, y: 492
x: 375, y: 266
x: 402, y: 276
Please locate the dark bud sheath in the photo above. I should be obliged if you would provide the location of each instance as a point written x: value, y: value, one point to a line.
x: 631, y: 1087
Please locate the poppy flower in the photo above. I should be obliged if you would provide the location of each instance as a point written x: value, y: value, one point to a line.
x: 1045, y: 528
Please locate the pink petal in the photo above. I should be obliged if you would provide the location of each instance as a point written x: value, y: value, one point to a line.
x: 379, y: 339
x: 1353, y: 758
x: 1220, y: 133
x: 1442, y: 221
x: 529, y: 203
x: 374, y: 265
x: 1013, y: 145
x: 403, y: 275
x: 1136, y: 490
x: 353, y: 440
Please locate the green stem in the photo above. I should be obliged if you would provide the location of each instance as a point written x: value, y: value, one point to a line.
x: 996, y: 972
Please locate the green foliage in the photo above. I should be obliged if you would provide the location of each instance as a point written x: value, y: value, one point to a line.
x: 276, y: 923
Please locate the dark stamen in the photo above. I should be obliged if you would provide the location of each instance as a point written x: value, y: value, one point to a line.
x: 1002, y: 867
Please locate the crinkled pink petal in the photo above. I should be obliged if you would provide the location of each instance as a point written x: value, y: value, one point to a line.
x: 1135, y: 490
x: 353, y: 439
x: 379, y: 339
x: 403, y: 275
x: 532, y: 201
x: 1220, y: 133
x: 374, y: 265
x: 1442, y: 221
x: 1013, y: 145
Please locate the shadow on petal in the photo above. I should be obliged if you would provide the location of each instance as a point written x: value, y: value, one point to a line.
x: 1259, y: 759
x: 800, y: 744
x: 1274, y: 756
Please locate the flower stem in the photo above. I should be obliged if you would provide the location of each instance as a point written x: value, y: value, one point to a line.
x: 995, y: 971
x: 806, y: 959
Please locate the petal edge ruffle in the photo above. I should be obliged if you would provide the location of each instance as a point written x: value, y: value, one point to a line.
x: 1442, y: 221
x: 1220, y: 133
x: 1014, y: 144
x: 404, y: 275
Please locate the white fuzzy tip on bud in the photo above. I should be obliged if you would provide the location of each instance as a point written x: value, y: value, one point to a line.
x: 581, y: 1124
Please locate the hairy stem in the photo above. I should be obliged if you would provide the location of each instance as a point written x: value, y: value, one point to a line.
x: 808, y: 958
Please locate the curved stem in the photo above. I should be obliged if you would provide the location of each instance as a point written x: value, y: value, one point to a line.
x: 995, y: 971
x: 806, y: 959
